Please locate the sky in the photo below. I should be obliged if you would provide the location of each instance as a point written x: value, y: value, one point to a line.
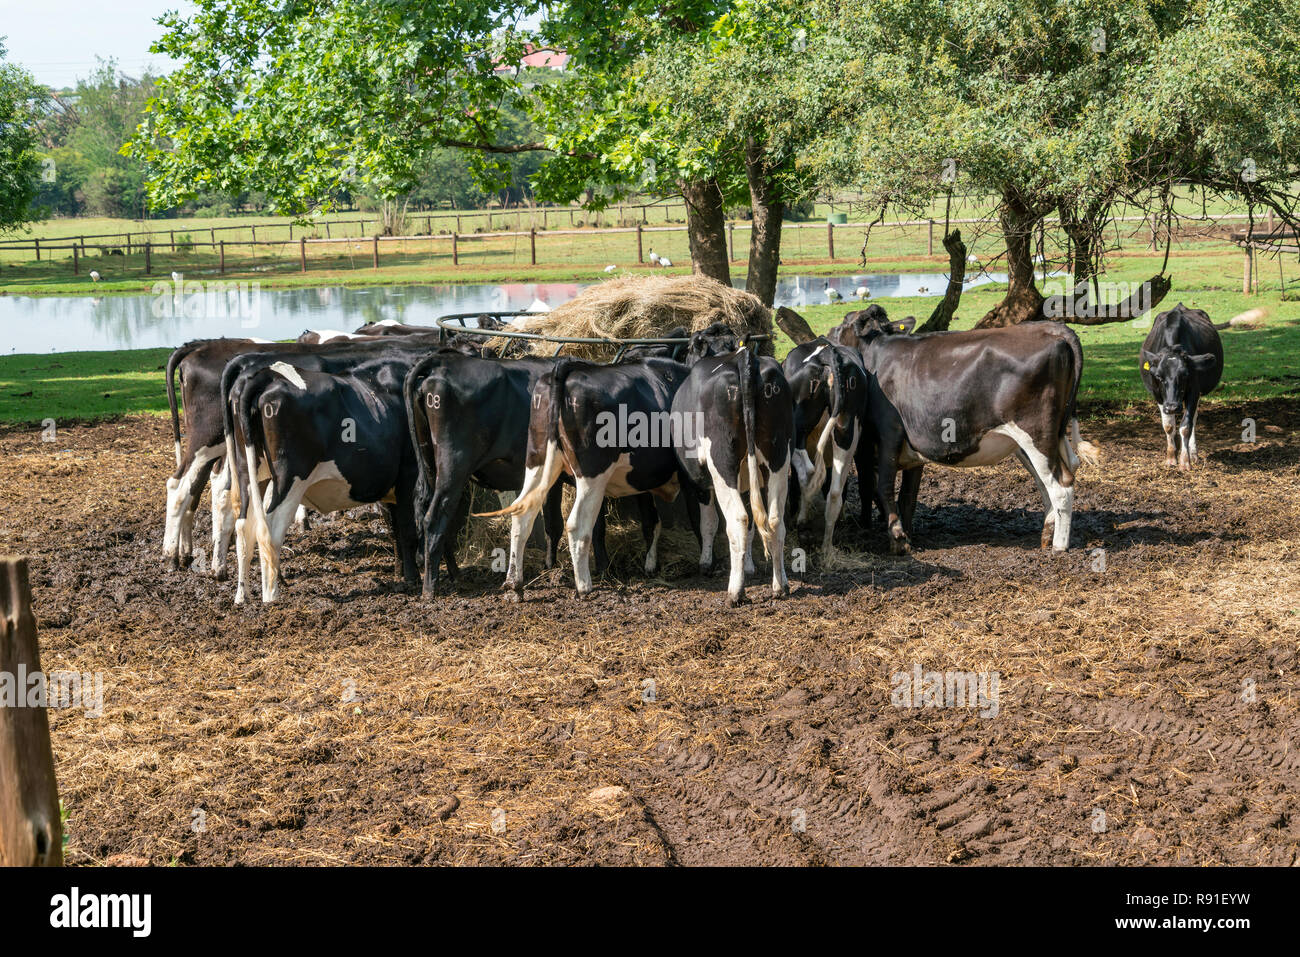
x: 58, y: 43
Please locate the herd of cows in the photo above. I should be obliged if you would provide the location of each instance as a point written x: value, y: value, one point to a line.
x: 408, y: 417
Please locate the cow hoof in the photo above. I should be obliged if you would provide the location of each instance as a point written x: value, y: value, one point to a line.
x: 900, y: 546
x: 735, y: 601
x: 512, y: 594
x: 220, y: 574
x: 782, y: 592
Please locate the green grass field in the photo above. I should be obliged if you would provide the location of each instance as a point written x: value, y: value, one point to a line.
x: 1260, y: 363
x: 561, y: 255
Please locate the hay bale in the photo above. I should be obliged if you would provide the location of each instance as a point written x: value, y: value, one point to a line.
x: 647, y: 307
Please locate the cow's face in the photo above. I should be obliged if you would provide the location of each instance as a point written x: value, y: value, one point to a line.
x: 1172, y: 371
x: 715, y: 340
x: 873, y: 327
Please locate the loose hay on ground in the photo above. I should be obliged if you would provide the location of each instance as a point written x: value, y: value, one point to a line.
x: 646, y: 307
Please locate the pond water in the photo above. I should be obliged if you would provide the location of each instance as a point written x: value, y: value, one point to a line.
x: 179, y: 311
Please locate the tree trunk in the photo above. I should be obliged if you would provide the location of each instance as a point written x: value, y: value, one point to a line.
x: 1082, y: 312
x: 765, y: 236
x: 706, y: 228
x: 794, y: 325
x: 942, y: 316
x: 1023, y: 300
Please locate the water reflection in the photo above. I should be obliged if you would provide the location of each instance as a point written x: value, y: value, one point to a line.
x: 179, y: 311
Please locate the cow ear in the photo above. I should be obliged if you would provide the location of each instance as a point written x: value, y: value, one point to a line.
x: 1149, y: 360
x: 1205, y: 362
x: 905, y: 326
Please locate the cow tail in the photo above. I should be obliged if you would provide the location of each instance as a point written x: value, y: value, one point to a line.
x: 747, y: 370
x: 418, y: 425
x: 250, y: 419
x: 838, y: 400
x: 531, y: 499
x: 1089, y: 453
x: 178, y: 355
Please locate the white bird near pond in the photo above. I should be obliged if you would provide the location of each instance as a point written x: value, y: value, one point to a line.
x: 654, y: 258
x: 539, y: 306
x: 832, y: 295
x: 177, y: 276
x: 94, y: 275
x: 862, y: 292
x: 665, y: 261
x: 923, y: 289
x: 610, y: 268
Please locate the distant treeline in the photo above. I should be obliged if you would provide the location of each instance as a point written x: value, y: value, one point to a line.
x: 84, y: 173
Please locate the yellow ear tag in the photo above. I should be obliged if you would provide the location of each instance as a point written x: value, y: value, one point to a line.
x: 1146, y: 365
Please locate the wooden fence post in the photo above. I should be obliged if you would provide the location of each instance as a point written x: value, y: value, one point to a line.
x: 375, y: 248
x: 37, y: 241
x: 1246, y: 269
x: 830, y: 239
x: 640, y: 254
x: 76, y: 263
x: 302, y: 252
x: 731, y: 241
x: 173, y: 238
x: 455, y: 251
x: 532, y: 245
x: 223, y: 257
x: 148, y: 257
x: 31, y: 832
x: 930, y: 242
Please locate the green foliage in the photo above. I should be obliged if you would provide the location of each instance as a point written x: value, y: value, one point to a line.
x: 314, y: 99
x: 19, y: 165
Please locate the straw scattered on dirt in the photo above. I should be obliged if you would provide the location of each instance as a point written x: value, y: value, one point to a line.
x: 1147, y: 707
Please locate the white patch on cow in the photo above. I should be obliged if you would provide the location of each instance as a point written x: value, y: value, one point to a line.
x: 290, y: 373
x: 179, y: 457
x: 813, y: 355
x: 259, y: 341
x: 388, y: 322
x: 652, y: 553
x: 1059, y: 497
x: 532, y: 496
x: 333, y: 335
x: 182, y: 499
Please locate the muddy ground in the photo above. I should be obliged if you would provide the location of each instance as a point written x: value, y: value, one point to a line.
x: 1146, y: 709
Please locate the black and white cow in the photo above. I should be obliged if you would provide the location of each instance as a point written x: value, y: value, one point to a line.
x: 735, y: 429
x: 1182, y: 360
x: 331, y: 440
x: 828, y: 386
x: 331, y: 357
x: 469, y: 420
x: 198, y: 365
x: 606, y: 426
x: 974, y: 398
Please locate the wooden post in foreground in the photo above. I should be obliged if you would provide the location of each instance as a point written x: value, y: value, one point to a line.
x: 76, y: 265
x: 830, y: 239
x: 455, y: 251
x: 376, y: 250
x: 302, y: 252
x: 532, y: 245
x: 1246, y: 270
x: 31, y: 833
